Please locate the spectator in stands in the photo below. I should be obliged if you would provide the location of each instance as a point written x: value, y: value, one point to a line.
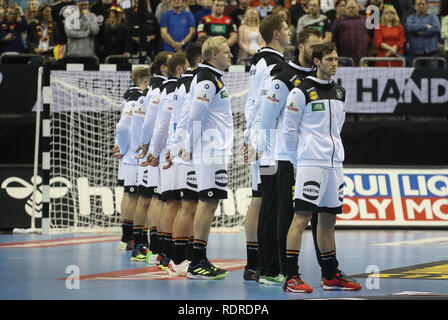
x: 314, y: 19
x: 177, y: 27
x: 144, y: 29
x: 13, y: 24
x: 162, y: 7
x: 407, y: 8
x: 206, y: 10
x: 423, y: 32
x: 264, y: 8
x: 249, y: 37
x: 31, y: 10
x: 389, y: 38
x: 101, y: 10
x: 42, y: 35
x: 444, y: 35
x: 298, y: 10
x: 338, y: 11
x: 434, y: 7
x: 81, y: 36
x: 350, y: 33
x: 57, y: 13
x: 444, y: 8
x: 237, y: 15
x: 115, y: 39
x: 194, y: 6
x: 217, y: 24
x: 327, y: 5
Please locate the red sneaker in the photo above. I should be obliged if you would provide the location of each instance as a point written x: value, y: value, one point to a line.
x: 341, y: 283
x: 295, y: 284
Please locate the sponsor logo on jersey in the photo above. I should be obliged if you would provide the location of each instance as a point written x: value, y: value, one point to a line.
x: 314, y: 95
x: 219, y: 83
x: 318, y: 106
x: 224, y: 94
x: 221, y: 178
x: 291, y: 108
x: 296, y: 83
x: 271, y: 97
x: 203, y: 98
x: 191, y: 179
x: 311, y: 190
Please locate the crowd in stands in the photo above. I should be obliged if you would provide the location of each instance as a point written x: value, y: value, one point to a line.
x: 126, y: 28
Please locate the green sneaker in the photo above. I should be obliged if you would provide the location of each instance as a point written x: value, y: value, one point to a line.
x: 272, y: 280
x: 139, y: 253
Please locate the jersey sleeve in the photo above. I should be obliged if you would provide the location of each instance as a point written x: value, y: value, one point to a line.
x: 271, y: 107
x: 203, y: 95
x: 149, y: 121
x: 122, y: 128
x: 137, y: 118
x: 295, y: 104
x: 160, y: 134
x: 181, y: 128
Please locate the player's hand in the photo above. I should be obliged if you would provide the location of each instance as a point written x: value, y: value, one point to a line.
x: 169, y: 161
x: 143, y: 149
x: 116, y: 152
x: 186, y: 156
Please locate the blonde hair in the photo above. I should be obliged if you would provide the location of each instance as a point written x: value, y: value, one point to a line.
x: 211, y: 45
x: 391, y: 8
x: 139, y: 75
x: 246, y: 20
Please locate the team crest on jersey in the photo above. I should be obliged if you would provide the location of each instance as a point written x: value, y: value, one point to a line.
x: 314, y: 95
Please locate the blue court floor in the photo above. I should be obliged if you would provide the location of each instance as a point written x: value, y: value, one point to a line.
x: 42, y: 267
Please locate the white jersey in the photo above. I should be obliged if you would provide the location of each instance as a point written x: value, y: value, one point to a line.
x: 161, y: 129
x: 312, y: 123
x: 210, y: 120
x: 259, y: 75
x: 123, y: 132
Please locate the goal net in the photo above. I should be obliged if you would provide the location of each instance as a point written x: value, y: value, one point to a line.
x: 85, y: 109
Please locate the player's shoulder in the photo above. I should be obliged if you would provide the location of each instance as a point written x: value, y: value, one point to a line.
x: 209, y: 75
x: 338, y: 92
x: 267, y: 56
x: 134, y: 94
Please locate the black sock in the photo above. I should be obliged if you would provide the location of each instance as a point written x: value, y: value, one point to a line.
x: 137, y: 232
x: 127, y: 228
x: 179, y: 250
x: 199, y: 251
x: 168, y: 245
x: 161, y: 242
x: 153, y: 240
x: 329, y: 266
x: 252, y: 255
x: 190, y: 249
x: 292, y: 263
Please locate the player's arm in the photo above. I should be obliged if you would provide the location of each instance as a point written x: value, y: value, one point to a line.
x: 122, y: 128
x: 204, y: 92
x: 150, y: 118
x: 271, y: 107
x: 181, y: 133
x: 161, y: 129
x: 295, y: 104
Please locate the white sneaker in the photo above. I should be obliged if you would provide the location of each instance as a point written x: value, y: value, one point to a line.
x: 122, y: 246
x: 178, y: 269
x: 151, y: 258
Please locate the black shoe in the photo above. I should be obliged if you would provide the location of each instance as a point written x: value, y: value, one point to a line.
x: 164, y: 262
x: 139, y: 253
x: 205, y: 271
x: 250, y: 274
